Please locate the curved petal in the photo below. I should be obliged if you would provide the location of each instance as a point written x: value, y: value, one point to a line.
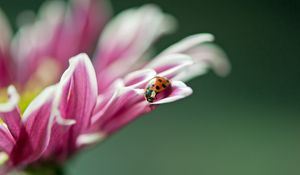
x: 170, y: 65
x: 84, y: 21
x: 108, y: 101
x: 179, y: 91
x: 35, y: 130
x: 10, y: 114
x: 111, y: 117
x: 123, y: 117
x: 12, y: 102
x: 213, y: 56
x: 188, y: 43
x: 127, y: 38
x: 138, y: 78
x: 90, y: 138
x: 204, y: 54
x: 7, y: 141
x: 75, y: 100
x: 66, y: 31
x: 26, y: 45
x: 38, y: 122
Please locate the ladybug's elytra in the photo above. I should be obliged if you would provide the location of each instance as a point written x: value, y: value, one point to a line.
x: 155, y: 86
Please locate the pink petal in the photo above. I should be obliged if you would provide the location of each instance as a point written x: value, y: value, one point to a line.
x: 213, y: 56
x: 102, y: 106
x: 35, y: 130
x: 123, y: 110
x: 204, y: 56
x: 87, y: 17
x: 66, y: 31
x: 125, y: 116
x: 7, y: 141
x: 188, y: 43
x: 81, y: 27
x: 5, y: 70
x: 170, y: 65
x: 10, y: 114
x: 179, y: 90
x: 26, y: 46
x: 77, y: 90
x: 5, y: 30
x: 75, y: 100
x: 5, y: 60
x: 127, y: 38
x: 13, y: 121
x: 109, y: 111
x: 138, y: 78
x: 110, y: 102
x: 116, y: 111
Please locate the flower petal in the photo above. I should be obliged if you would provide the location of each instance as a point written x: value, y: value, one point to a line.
x: 84, y: 21
x: 139, y: 78
x: 122, y: 108
x: 5, y: 60
x: 125, y: 116
x: 179, y: 91
x: 5, y: 30
x: 38, y: 122
x: 204, y: 55
x: 170, y: 65
x: 188, y: 43
x: 75, y: 99
x: 10, y: 114
x: 91, y: 138
x: 26, y: 47
x: 7, y: 141
x: 66, y: 31
x: 127, y: 38
x: 213, y: 56
x: 12, y: 102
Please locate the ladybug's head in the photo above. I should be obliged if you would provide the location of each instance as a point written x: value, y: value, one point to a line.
x: 150, y: 95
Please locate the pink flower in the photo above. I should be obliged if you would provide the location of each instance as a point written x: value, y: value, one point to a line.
x: 89, y: 102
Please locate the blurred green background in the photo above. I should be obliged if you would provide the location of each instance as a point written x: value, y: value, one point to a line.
x: 245, y: 124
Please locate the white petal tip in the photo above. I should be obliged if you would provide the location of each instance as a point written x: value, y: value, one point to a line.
x: 13, y: 100
x: 63, y: 121
x: 87, y: 139
x: 181, y: 91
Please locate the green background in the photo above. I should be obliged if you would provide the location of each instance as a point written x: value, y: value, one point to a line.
x: 245, y: 124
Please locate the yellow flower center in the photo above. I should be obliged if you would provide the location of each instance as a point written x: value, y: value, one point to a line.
x: 25, y: 97
x: 3, y: 96
x: 47, y: 73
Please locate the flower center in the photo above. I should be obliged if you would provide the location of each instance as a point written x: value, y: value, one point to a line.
x: 25, y: 97
x: 46, y: 74
x: 3, y: 96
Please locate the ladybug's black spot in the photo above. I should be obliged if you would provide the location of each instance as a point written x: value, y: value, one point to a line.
x: 159, y: 80
x: 164, y: 86
x: 168, y: 81
x: 157, y: 87
x: 152, y: 85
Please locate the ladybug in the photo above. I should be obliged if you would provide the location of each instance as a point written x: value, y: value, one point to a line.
x: 155, y: 86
